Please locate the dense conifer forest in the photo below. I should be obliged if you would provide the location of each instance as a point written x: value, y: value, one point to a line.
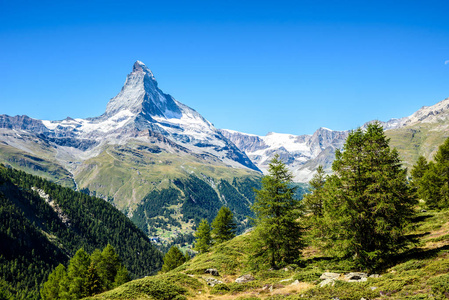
x: 37, y: 235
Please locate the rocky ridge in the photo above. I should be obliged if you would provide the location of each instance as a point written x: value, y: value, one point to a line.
x: 303, y: 153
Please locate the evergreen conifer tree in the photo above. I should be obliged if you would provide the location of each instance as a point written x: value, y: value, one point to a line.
x: 77, y: 274
x: 56, y: 287
x: 277, y: 235
x: 93, y: 282
x: 203, y: 237
x: 108, y: 266
x: 434, y: 185
x: 367, y: 202
x: 313, y: 202
x: 173, y: 259
x: 223, y: 225
x: 122, y: 276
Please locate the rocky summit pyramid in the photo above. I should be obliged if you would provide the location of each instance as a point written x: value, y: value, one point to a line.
x: 141, y: 110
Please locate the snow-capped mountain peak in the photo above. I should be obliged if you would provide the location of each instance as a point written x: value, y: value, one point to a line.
x: 140, y: 111
x: 140, y: 94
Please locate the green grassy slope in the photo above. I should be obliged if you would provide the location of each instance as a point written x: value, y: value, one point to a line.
x: 36, y: 165
x: 422, y: 139
x: 420, y: 272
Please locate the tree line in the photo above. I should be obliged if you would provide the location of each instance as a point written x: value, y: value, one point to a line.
x: 86, y: 275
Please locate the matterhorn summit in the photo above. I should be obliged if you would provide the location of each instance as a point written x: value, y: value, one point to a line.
x: 140, y: 94
x: 140, y: 112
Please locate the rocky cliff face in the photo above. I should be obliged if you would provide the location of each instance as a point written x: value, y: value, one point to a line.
x: 302, y: 154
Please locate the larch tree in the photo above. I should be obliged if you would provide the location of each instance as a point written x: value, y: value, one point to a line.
x: 434, y: 185
x: 203, y: 237
x: 77, y: 273
x: 277, y: 237
x: 223, y: 226
x: 313, y: 202
x: 57, y: 285
x: 173, y: 259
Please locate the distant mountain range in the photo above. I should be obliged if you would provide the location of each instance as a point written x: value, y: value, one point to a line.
x: 419, y: 134
x: 149, y: 148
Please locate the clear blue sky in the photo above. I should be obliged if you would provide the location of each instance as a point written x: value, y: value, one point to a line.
x: 251, y: 66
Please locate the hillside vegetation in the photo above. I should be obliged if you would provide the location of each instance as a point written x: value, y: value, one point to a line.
x: 420, y: 272
x: 43, y: 224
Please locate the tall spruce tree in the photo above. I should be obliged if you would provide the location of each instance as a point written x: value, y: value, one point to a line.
x: 367, y: 202
x: 277, y: 235
x: 203, y: 237
x: 223, y: 226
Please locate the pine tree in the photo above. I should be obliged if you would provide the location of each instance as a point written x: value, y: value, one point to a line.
x: 223, y: 225
x: 367, y: 202
x: 434, y: 185
x: 173, y: 259
x: 108, y: 266
x: 56, y: 287
x: 203, y: 237
x: 77, y: 273
x: 93, y: 282
x: 313, y: 202
x: 277, y: 235
x: 122, y: 276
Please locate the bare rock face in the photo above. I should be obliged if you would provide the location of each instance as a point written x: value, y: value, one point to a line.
x: 356, y: 277
x: 22, y: 123
x: 302, y: 154
x: 329, y: 275
x: 213, y: 272
x: 245, y: 278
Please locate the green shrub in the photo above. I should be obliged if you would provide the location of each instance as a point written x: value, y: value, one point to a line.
x: 440, y: 285
x: 235, y: 287
x: 410, y: 265
x: 308, y: 275
x: 220, y: 288
x: 343, y: 291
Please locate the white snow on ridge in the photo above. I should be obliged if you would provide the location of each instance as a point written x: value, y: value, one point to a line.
x: 116, y: 121
x: 288, y: 141
x: 239, y: 132
x: 86, y: 126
